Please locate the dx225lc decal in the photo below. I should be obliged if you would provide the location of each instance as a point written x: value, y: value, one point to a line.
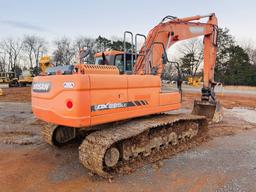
x: 118, y: 105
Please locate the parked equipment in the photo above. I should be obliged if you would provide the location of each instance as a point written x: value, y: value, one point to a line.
x: 6, y: 77
x: 194, y: 81
x: 122, y: 116
x: 26, y: 78
x: 44, y: 63
x: 1, y: 92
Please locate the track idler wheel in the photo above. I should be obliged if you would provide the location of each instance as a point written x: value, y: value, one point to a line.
x: 58, y: 135
x: 211, y: 110
x: 62, y: 135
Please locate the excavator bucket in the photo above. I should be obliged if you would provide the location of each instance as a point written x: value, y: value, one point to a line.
x: 212, y: 111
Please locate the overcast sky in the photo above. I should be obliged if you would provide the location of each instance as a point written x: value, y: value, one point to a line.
x: 56, y: 18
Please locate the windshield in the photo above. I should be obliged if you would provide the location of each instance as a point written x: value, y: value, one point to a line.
x: 99, y: 60
x: 119, y: 62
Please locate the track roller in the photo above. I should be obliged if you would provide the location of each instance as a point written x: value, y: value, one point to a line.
x: 112, y: 156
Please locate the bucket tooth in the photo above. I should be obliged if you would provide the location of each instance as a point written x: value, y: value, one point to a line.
x: 211, y: 110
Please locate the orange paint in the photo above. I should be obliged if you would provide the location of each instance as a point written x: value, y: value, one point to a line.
x: 100, y: 90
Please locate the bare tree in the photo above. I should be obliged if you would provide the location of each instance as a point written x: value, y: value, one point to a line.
x: 28, y: 49
x: 191, y: 56
x: 250, y: 49
x: 3, y: 62
x: 102, y: 44
x: 84, y: 42
x: 64, y: 52
x: 12, y: 49
x: 173, y: 70
x: 85, y: 45
x: 33, y: 47
x: 186, y: 62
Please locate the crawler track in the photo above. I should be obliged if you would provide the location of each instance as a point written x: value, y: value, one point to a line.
x: 141, y: 141
x: 57, y: 135
x: 47, y: 132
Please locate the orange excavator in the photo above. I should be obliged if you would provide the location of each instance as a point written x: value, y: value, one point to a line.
x: 125, y: 118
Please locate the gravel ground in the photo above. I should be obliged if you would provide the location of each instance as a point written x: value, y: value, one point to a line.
x: 18, y: 125
x: 248, y: 115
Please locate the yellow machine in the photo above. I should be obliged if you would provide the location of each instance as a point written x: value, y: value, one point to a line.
x: 8, y: 79
x: 44, y: 63
x: 26, y: 78
x: 27, y: 75
x: 194, y: 81
x: 1, y: 92
x: 5, y: 77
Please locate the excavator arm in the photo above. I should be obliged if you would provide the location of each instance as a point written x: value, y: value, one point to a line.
x: 171, y: 30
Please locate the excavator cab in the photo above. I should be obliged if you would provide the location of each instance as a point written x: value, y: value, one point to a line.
x: 116, y: 58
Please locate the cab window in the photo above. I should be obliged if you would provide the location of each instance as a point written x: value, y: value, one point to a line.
x: 99, y: 60
x: 119, y: 62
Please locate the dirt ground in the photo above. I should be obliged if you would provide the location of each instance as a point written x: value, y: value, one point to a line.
x: 17, y: 94
x: 228, y: 101
x: 225, y: 163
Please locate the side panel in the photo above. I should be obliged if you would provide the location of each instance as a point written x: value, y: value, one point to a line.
x: 169, y: 98
x: 144, y: 89
x: 143, y: 98
x: 108, y: 93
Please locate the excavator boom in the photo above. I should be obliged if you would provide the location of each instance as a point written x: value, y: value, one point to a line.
x: 171, y: 30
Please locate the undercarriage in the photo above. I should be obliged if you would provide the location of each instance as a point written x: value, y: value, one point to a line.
x: 123, y: 147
